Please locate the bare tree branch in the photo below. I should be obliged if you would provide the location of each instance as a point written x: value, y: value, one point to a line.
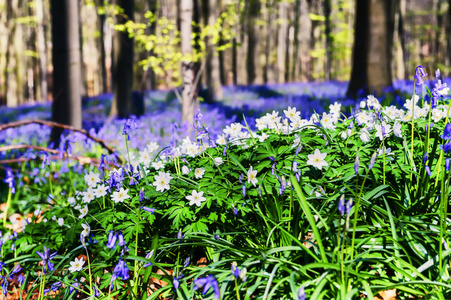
x: 54, y: 124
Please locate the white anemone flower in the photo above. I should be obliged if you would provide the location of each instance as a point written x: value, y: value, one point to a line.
x: 196, y: 198
x: 162, y: 181
x: 76, y: 265
x: 86, y: 230
x: 120, y: 195
x: 92, y: 179
x: 252, y: 176
x: 199, y: 173
x: 100, y: 191
x: 317, y: 159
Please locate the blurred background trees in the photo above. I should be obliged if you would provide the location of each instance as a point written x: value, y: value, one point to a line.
x: 234, y: 42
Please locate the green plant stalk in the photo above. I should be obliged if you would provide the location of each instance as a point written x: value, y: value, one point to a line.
x: 383, y: 163
x: 135, y: 271
x: 8, y: 203
x: 236, y: 289
x: 308, y: 214
x: 89, y: 272
x: 41, y: 286
x: 356, y: 207
x: 128, y: 151
x: 439, y: 163
x: 289, y: 212
x: 50, y: 179
x: 412, y: 129
x: 70, y: 174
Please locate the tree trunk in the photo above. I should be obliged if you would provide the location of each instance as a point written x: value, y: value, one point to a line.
x: 401, y: 48
x: 254, y: 73
x: 328, y: 33
x: 66, y: 108
x: 3, y: 49
x: 102, y: 53
x: 40, y: 45
x: 213, y: 75
x: 373, y: 41
x: 304, y: 38
x: 188, y: 90
x: 123, y: 58
x: 153, y: 7
x: 281, y: 40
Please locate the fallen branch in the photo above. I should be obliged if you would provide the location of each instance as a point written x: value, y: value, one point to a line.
x: 54, y: 124
x: 81, y: 159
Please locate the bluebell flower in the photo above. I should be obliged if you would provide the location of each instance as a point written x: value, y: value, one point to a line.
x: 47, y: 257
x: 186, y: 262
x: 447, y: 132
x: 14, y: 271
x: 121, y: 241
x: 20, y: 279
x: 112, y: 238
x: 428, y: 170
x: 372, y: 161
x: 120, y: 271
x: 5, y: 286
x: 341, y: 205
x: 295, y: 166
x: 357, y: 164
x: 10, y: 180
x: 235, y: 270
x: 129, y: 125
x: 349, y: 206
x: 420, y: 73
x: 301, y: 294
x: 176, y: 283
x: 74, y: 287
x: 235, y: 211
x: 141, y: 195
x: 56, y: 286
x: 447, y: 163
x: 437, y: 74
x: 425, y: 158
x: 207, y: 283
x: 150, y: 210
x: 179, y: 234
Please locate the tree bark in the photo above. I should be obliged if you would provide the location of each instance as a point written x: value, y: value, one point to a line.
x: 304, y: 38
x: 66, y: 108
x: 188, y: 90
x: 373, y: 41
x: 328, y: 33
x: 213, y: 75
x: 281, y: 40
x: 123, y: 58
x: 40, y: 45
x: 254, y: 72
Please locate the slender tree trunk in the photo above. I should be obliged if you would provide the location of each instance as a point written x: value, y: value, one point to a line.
x: 371, y: 71
x: 328, y: 33
x: 14, y: 95
x: 102, y: 53
x: 40, y: 45
x: 66, y: 108
x: 448, y: 37
x: 3, y: 49
x: 281, y: 40
x: 213, y: 75
x: 188, y: 90
x: 305, y: 38
x: 153, y: 7
x: 123, y: 58
x: 254, y: 73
